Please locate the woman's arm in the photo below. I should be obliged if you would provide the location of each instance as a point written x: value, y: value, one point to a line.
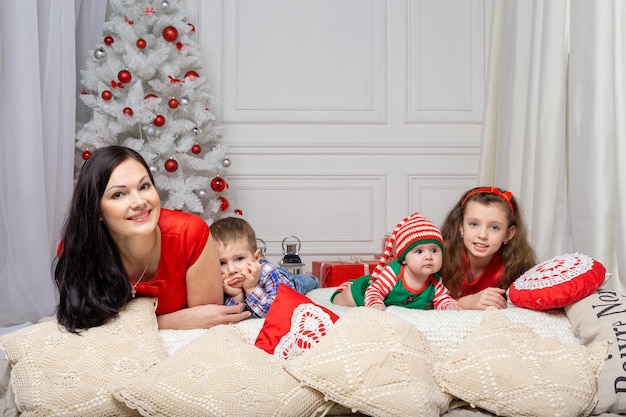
x: 204, y: 278
x: 202, y: 317
x: 205, y: 296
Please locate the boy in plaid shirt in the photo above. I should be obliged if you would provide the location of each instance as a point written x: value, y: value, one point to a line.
x: 248, y: 278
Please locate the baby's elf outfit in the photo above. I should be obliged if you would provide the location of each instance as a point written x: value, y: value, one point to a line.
x: 386, y: 284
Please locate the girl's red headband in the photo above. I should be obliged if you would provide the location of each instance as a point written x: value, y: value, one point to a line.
x: 492, y: 190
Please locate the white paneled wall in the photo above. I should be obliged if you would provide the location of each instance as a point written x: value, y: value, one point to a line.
x: 343, y: 116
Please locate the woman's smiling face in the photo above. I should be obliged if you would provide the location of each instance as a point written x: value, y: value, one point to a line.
x: 130, y: 204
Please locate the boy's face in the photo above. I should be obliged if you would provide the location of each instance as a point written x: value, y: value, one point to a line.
x: 424, y: 260
x: 235, y: 258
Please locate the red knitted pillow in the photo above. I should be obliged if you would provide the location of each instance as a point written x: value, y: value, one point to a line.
x: 293, y: 324
x: 557, y: 282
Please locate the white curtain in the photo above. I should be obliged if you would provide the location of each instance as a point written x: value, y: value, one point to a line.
x: 37, y: 124
x: 554, y: 130
x: 597, y: 131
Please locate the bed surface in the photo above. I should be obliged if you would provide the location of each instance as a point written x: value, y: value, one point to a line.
x: 444, y: 330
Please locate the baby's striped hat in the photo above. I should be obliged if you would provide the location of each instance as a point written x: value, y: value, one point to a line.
x: 411, y: 231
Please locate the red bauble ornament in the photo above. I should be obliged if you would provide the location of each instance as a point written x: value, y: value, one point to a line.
x: 107, y: 95
x: 128, y: 111
x: 141, y: 43
x: 124, y: 76
x: 196, y: 149
x: 191, y: 75
x: 179, y: 45
x: 238, y: 212
x: 171, y: 165
x: 158, y: 121
x: 151, y: 95
x: 173, y: 103
x: 170, y: 33
x: 218, y: 184
x: 108, y: 40
x: 224, y: 204
x: 86, y: 155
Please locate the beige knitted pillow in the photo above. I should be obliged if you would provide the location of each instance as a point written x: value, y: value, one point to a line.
x: 220, y: 374
x: 63, y: 374
x: 506, y: 368
x: 376, y: 363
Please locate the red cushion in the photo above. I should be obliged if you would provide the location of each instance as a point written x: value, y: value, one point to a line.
x: 293, y: 324
x: 557, y: 282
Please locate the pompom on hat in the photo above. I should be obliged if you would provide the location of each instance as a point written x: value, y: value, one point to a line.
x: 411, y: 231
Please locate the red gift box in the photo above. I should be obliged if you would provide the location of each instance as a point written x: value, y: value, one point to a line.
x: 334, y: 273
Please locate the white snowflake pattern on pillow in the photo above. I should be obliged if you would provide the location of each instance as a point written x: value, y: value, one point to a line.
x: 309, y: 324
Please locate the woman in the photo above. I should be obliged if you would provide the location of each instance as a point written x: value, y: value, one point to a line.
x: 118, y: 242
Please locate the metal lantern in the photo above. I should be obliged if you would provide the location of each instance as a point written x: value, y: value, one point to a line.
x: 291, y: 260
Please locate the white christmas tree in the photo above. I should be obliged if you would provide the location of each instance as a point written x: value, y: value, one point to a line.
x: 145, y: 88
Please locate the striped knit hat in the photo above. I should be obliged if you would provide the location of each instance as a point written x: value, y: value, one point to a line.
x: 410, y: 232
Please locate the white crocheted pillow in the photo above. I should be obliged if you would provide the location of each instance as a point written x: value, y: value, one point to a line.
x: 373, y: 362
x: 220, y: 374
x: 508, y: 369
x: 63, y: 374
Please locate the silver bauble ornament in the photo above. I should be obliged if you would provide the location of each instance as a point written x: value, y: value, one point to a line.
x: 99, y: 53
x: 154, y: 169
x: 226, y: 162
x: 151, y: 130
x: 165, y: 6
x: 202, y: 193
x: 195, y: 131
x: 184, y: 101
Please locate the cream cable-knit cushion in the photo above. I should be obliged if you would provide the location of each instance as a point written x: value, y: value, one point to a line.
x: 373, y: 362
x: 508, y: 369
x: 57, y: 373
x: 220, y: 374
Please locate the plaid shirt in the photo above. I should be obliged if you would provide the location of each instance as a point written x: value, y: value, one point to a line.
x: 260, y: 300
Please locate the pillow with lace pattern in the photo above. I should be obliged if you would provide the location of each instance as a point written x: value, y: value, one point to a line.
x: 557, y: 282
x: 375, y: 363
x: 59, y: 373
x: 293, y: 324
x: 507, y: 369
x: 220, y: 374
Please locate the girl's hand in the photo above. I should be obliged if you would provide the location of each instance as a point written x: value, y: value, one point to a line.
x: 489, y: 297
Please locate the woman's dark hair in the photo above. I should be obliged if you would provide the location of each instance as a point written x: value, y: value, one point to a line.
x: 88, y: 271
